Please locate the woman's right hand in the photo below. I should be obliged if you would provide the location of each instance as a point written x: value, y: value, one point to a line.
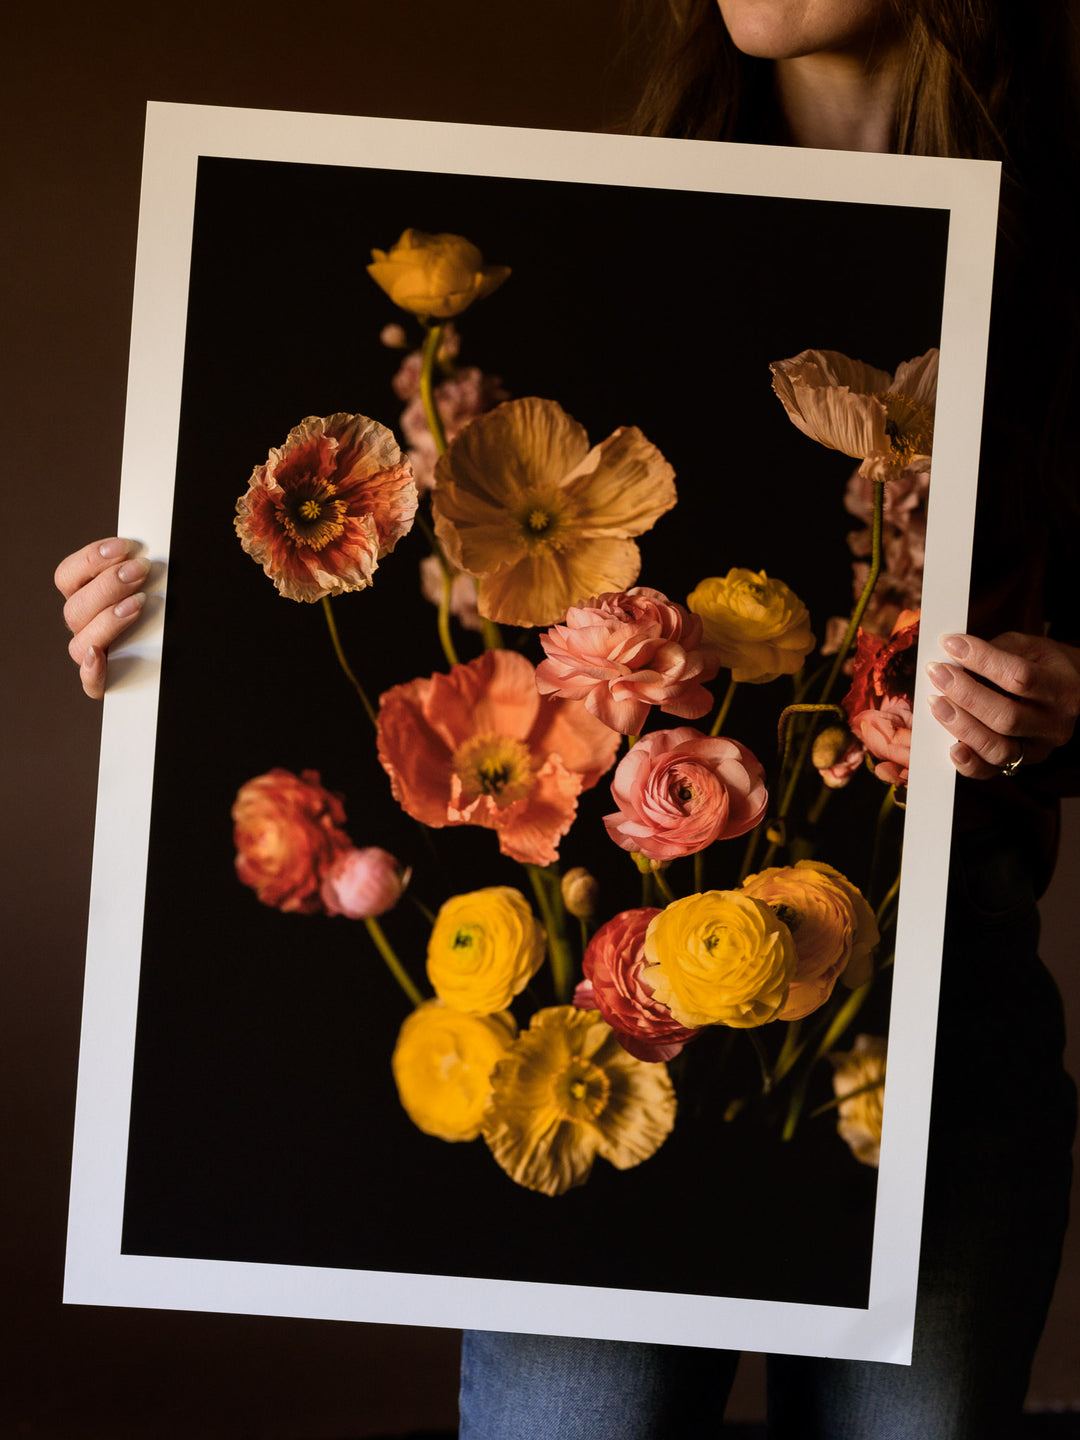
x: 101, y: 586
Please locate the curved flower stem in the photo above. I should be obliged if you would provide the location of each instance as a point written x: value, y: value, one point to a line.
x: 845, y: 645
x: 427, y: 394
x: 789, y: 1051
x: 562, y: 962
x: 340, y: 653
x: 725, y: 706
x: 428, y: 914
x: 394, y: 965
x: 839, y: 1099
x: 663, y: 886
x: 762, y: 1059
x: 445, y: 638
x: 887, y: 900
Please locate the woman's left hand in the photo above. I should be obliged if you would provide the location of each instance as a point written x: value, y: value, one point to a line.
x: 1008, y: 701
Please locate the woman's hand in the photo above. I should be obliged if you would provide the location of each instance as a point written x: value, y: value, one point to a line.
x: 101, y: 586
x: 1009, y: 701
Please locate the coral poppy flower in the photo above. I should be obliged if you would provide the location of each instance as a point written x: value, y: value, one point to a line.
x: 325, y: 508
x: 480, y: 747
x: 566, y: 1092
x: 539, y: 518
x: 886, y: 421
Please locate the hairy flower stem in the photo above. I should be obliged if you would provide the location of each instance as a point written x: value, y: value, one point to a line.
x: 845, y: 645
x: 340, y: 653
x: 545, y: 885
x: 393, y: 964
x: 432, y: 340
x: 722, y: 713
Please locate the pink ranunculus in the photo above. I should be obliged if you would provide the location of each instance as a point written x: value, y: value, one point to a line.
x: 363, y: 883
x: 480, y: 747
x: 614, y: 984
x: 679, y: 790
x: 625, y: 651
x: 288, y: 835
x: 886, y: 733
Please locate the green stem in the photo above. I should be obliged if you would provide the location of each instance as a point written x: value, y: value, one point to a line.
x: 445, y: 638
x: 722, y: 713
x: 394, y: 965
x: 839, y: 1099
x: 492, y: 634
x: 562, y: 961
x: 789, y: 1051
x: 888, y: 898
x: 663, y: 886
x: 762, y: 1059
x: 340, y: 653
x: 427, y: 393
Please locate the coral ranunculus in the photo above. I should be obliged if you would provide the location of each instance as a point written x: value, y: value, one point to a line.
x: 566, y: 1092
x: 480, y: 747
x: 679, y: 790
x: 886, y: 421
x: 325, y: 508
x: 363, y: 883
x: 615, y: 985
x: 759, y: 628
x: 288, y: 836
x: 862, y: 1069
x: 442, y: 1066
x: 879, y: 702
x: 543, y: 521
x: 484, y: 949
x: 720, y: 958
x: 434, y: 275
x: 833, y: 928
x: 623, y: 653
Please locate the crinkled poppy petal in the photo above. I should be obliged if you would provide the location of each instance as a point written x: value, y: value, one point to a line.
x: 622, y: 487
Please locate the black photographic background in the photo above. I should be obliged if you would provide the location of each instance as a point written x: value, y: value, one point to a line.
x: 265, y: 1125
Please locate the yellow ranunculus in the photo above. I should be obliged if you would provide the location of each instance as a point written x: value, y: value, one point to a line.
x: 832, y: 925
x: 434, y: 275
x: 484, y: 949
x: 759, y: 626
x: 720, y: 958
x: 565, y: 1092
x: 442, y: 1066
x: 858, y: 1122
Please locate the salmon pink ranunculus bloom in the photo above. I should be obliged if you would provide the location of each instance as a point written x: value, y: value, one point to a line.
x: 679, y: 790
x: 615, y: 985
x: 362, y: 883
x: 480, y: 747
x: 326, y: 506
x: 542, y: 520
x: 625, y: 652
x: 287, y: 830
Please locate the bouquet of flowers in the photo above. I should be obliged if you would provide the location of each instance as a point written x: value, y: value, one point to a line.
x: 553, y: 1028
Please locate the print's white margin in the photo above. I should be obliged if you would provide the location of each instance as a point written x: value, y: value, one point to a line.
x: 96, y: 1272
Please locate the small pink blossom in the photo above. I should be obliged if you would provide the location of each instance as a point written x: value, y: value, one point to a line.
x: 614, y: 984
x: 625, y: 651
x: 462, y: 592
x: 363, y: 883
x: 886, y: 733
x: 679, y: 790
x: 458, y: 400
x: 838, y: 774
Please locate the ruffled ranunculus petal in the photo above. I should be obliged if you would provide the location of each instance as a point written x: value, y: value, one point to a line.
x: 288, y: 833
x: 485, y: 947
x: 442, y: 1066
x: 614, y: 966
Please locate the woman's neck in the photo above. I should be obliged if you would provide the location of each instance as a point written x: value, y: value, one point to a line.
x: 841, y: 101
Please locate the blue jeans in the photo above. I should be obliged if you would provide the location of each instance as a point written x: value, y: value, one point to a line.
x: 994, y: 1219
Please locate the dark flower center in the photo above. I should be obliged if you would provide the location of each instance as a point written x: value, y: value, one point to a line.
x: 310, y: 513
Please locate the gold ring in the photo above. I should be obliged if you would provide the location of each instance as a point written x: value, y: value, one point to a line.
x: 1011, y: 768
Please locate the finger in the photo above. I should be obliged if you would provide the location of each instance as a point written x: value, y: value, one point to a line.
x: 104, y: 628
x: 104, y: 591
x: 1028, y: 666
x: 92, y: 672
x: 77, y: 570
x: 995, y: 710
x: 982, y: 752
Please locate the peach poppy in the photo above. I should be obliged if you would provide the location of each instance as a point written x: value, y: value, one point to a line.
x: 326, y: 506
x: 886, y: 421
x: 478, y: 746
x: 543, y: 521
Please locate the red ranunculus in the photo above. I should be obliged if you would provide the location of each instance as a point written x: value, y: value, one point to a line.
x: 287, y: 834
x: 879, y: 703
x: 614, y: 985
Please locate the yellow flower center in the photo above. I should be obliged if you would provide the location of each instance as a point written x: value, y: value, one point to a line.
x: 310, y: 515
x: 581, y: 1091
x: 494, y: 765
x: 909, y: 426
x: 541, y: 522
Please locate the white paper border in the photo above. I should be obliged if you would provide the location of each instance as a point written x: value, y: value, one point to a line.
x: 97, y: 1273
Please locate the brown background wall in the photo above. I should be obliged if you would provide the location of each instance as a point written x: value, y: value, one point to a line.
x: 76, y: 81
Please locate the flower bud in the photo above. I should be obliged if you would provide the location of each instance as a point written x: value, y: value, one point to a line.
x: 394, y: 337
x: 579, y: 890
x: 829, y: 746
x: 364, y: 883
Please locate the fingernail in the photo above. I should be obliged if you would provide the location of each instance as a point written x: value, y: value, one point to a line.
x: 940, y: 675
x: 941, y: 708
x: 113, y: 549
x: 955, y: 645
x: 133, y: 570
x: 131, y: 606
x: 89, y: 659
